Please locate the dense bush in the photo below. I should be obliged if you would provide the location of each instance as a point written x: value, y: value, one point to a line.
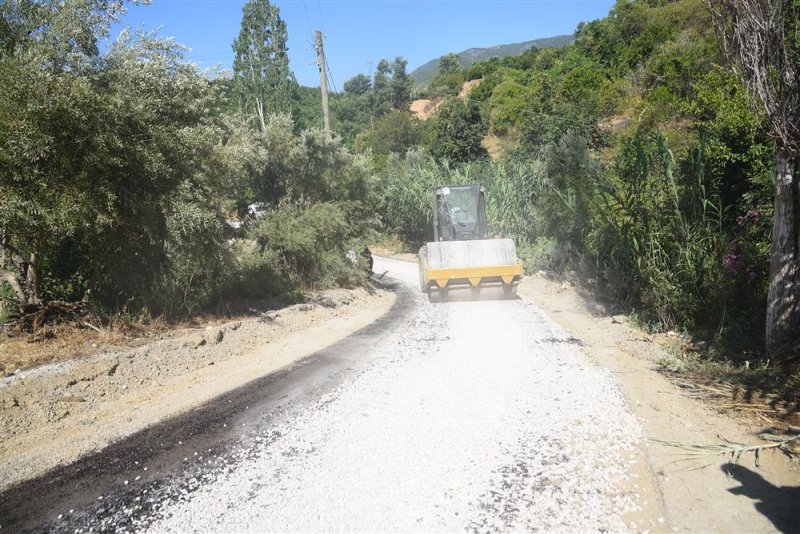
x: 313, y: 242
x: 197, y: 259
x: 394, y: 133
x: 456, y: 133
x: 118, y: 170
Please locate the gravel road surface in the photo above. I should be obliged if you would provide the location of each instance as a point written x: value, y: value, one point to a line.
x: 473, y: 415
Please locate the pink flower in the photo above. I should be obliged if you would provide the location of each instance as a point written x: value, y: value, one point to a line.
x: 731, y: 262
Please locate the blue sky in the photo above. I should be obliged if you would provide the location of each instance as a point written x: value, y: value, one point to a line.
x: 358, y: 33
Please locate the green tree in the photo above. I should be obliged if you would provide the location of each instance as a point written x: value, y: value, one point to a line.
x: 47, y: 107
x: 358, y: 85
x: 394, y: 133
x: 261, y: 71
x: 762, y: 39
x: 449, y: 77
x: 113, y: 167
x: 380, y: 97
x: 509, y: 100
x: 350, y: 116
x: 455, y: 134
x: 449, y: 64
x: 400, y: 84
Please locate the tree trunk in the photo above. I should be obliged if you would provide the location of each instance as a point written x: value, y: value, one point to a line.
x: 260, y: 112
x: 32, y: 276
x: 9, y: 278
x: 783, y: 299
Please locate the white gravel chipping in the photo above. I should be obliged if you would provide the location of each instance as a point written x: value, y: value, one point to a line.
x: 473, y: 416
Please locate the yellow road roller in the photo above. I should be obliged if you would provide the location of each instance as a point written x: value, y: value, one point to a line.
x: 462, y: 254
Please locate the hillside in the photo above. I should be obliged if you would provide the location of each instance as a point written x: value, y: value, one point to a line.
x: 425, y: 73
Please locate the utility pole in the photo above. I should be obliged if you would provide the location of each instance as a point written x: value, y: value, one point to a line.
x: 323, y: 82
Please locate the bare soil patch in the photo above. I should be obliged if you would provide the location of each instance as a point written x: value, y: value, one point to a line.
x: 467, y: 88
x: 56, y: 413
x: 424, y: 108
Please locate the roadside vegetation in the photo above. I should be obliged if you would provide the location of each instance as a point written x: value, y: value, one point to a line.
x: 639, y: 159
x: 635, y: 156
x: 120, y: 167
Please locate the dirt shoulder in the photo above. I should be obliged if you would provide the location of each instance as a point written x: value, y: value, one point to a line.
x: 54, y: 414
x: 720, y: 496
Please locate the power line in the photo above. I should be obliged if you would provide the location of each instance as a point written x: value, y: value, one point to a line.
x: 330, y: 75
x: 308, y: 20
x: 321, y: 22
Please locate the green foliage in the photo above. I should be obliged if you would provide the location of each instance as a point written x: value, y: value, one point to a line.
x: 350, y: 116
x: 308, y: 108
x: 445, y: 85
x: 358, y: 85
x: 737, y: 148
x: 449, y: 78
x: 405, y: 188
x: 312, y: 241
x: 394, y: 133
x: 456, y: 132
x: 404, y: 193
x: 89, y: 162
x: 381, y: 96
x: 118, y: 170
x: 449, y: 64
x: 311, y: 164
x: 261, y: 62
x: 640, y: 163
x: 508, y: 103
x: 673, y: 68
x: 255, y: 272
x: 400, y: 85
x: 662, y: 229
x: 197, y: 260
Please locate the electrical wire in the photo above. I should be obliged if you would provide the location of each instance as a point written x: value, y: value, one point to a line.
x: 321, y: 22
x: 308, y: 20
x: 330, y: 74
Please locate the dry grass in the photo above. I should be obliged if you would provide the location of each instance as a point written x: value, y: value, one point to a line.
x: 703, y: 451
x: 69, y: 341
x: 497, y: 146
x: 762, y: 405
x: 74, y: 340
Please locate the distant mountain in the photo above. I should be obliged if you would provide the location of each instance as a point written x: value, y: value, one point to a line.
x: 424, y: 74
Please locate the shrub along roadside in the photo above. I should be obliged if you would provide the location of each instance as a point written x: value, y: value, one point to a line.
x: 650, y: 228
x: 120, y: 166
x: 312, y: 242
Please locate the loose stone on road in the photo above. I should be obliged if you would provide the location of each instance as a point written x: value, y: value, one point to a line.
x: 470, y: 415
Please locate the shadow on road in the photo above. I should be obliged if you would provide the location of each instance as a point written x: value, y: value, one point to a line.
x: 779, y: 504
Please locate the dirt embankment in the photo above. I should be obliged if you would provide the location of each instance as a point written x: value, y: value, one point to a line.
x: 709, y: 494
x: 425, y: 108
x: 56, y: 413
